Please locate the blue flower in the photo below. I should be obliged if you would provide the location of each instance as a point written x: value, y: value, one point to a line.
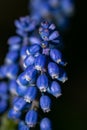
x: 42, y: 82
x: 54, y: 35
x: 53, y: 70
x: 21, y: 80
x: 55, y: 89
x: 45, y: 124
x: 14, y: 41
x: 22, y: 126
x: 40, y: 62
x: 13, y: 71
x: 57, y: 57
x: 3, y: 71
x: 31, y: 74
x: 31, y: 118
x: 3, y: 88
x: 11, y: 57
x: 45, y: 103
x: 62, y: 76
x: 12, y: 114
x: 23, y: 53
x: 30, y: 94
x: 20, y: 104
x: 29, y: 60
x: 21, y: 90
x: 3, y: 105
x: 25, y: 25
x: 34, y: 49
x: 12, y: 87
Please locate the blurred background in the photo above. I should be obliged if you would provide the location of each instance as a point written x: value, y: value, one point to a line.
x: 70, y: 110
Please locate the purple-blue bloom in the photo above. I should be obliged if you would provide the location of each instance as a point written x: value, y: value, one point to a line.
x: 31, y: 118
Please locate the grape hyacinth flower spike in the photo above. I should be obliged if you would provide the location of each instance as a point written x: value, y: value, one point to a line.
x: 41, y: 77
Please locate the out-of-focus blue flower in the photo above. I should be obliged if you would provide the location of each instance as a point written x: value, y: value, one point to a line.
x: 53, y: 9
x: 12, y: 114
x: 3, y: 105
x: 29, y: 60
x: 31, y: 118
x: 25, y: 25
x: 13, y: 71
x: 3, y: 71
x: 23, y: 53
x: 34, y: 49
x: 13, y: 87
x: 20, y: 104
x: 11, y: 57
x: 23, y: 126
x: 45, y: 103
x: 45, y: 124
x: 14, y: 41
x: 3, y: 88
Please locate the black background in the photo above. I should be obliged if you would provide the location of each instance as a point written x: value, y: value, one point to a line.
x: 70, y: 110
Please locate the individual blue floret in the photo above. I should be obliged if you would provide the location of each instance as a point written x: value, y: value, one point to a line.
x: 23, y: 53
x: 33, y: 49
x: 57, y: 57
x: 11, y: 57
x: 21, y: 80
x: 31, y: 74
x: 55, y: 89
x: 13, y: 87
x: 45, y: 103
x: 23, y: 126
x: 53, y: 70
x: 41, y: 62
x: 13, y: 71
x: 14, y: 41
x: 45, y: 124
x: 21, y: 90
x: 12, y: 114
x: 20, y: 104
x: 29, y: 60
x: 62, y: 75
x: 31, y: 118
x: 42, y: 82
x: 30, y: 94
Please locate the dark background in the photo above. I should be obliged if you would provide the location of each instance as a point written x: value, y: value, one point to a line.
x: 70, y: 110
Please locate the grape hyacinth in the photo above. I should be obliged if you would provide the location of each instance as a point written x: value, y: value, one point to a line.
x: 43, y: 70
x: 59, y: 10
x: 34, y: 66
x: 13, y: 64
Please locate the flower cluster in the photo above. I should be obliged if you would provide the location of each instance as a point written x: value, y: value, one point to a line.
x: 13, y: 60
x: 3, y: 96
x: 34, y: 66
x: 60, y: 10
x: 43, y: 66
